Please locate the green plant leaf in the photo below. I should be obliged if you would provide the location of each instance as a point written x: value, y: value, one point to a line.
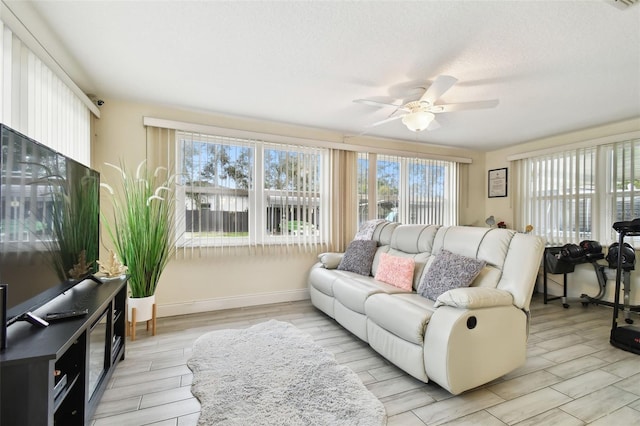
x: 142, y: 228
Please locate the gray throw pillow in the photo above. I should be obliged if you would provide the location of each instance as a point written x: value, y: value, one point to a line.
x: 448, y: 271
x: 358, y: 257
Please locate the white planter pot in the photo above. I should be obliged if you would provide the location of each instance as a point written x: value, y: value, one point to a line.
x: 144, y: 307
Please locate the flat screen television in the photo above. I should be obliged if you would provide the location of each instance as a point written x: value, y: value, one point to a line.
x: 49, y: 222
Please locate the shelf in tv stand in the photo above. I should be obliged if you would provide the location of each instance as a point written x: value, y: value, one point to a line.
x: 59, y: 398
x: 64, y: 347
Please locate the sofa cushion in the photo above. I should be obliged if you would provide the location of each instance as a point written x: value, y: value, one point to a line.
x: 397, y: 271
x: 448, y: 271
x: 414, y: 238
x: 474, y: 298
x: 359, y: 256
x: 353, y: 291
x: 404, y: 314
x: 384, y: 232
x: 322, y: 279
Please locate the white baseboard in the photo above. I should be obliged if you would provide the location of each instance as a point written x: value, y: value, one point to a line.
x: 172, y: 309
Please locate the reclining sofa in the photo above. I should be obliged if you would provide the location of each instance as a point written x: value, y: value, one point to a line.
x: 437, y: 327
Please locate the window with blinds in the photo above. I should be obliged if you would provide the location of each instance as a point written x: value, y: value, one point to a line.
x: 622, y: 195
x: 578, y: 194
x: 247, y: 192
x: 560, y: 195
x: 407, y: 190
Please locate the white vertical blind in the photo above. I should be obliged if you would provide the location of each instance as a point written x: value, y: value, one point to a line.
x: 622, y: 167
x: 407, y: 189
x: 557, y: 191
x: 432, y: 191
x: 362, y: 174
x: 37, y: 103
x: 214, y: 200
x: 574, y: 195
x: 249, y: 193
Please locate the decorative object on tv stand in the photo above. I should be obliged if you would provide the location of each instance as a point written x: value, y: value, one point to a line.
x: 112, y: 268
x: 141, y: 230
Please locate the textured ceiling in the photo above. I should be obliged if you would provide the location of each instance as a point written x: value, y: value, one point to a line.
x: 555, y: 66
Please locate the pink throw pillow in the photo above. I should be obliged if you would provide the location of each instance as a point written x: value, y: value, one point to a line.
x: 397, y: 271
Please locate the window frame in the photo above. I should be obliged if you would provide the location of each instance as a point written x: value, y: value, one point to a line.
x: 448, y: 214
x: 257, y: 196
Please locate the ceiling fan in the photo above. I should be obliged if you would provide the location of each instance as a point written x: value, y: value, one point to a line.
x: 420, y: 114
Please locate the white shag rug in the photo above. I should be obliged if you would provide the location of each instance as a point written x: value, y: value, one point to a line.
x: 274, y: 374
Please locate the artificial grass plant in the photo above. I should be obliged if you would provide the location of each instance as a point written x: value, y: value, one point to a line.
x: 143, y: 225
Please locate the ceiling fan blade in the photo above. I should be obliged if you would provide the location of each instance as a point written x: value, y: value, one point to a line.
x: 386, y: 120
x: 440, y: 85
x: 376, y: 103
x: 466, y: 105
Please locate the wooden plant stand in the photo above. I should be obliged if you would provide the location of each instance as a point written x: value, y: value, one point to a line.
x: 131, y: 323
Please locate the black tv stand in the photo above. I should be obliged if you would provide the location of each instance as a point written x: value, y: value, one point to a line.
x: 56, y: 375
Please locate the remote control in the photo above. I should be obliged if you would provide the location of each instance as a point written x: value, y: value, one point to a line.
x: 34, y: 319
x: 56, y: 316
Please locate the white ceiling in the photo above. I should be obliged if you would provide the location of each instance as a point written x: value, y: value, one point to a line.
x: 555, y: 66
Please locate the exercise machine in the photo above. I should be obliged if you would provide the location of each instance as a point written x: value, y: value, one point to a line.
x: 627, y: 254
x: 624, y: 337
x: 563, y: 260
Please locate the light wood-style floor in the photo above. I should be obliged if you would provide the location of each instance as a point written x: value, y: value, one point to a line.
x: 573, y: 376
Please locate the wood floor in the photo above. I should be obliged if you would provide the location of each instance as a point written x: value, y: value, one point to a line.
x: 573, y: 376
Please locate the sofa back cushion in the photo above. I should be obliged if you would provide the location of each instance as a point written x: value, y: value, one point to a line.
x: 512, y: 259
x: 414, y: 239
x: 521, y: 268
x: 411, y: 241
x: 487, y: 244
x: 384, y: 232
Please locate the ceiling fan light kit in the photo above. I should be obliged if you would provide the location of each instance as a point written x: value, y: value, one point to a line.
x: 419, y: 114
x: 418, y: 121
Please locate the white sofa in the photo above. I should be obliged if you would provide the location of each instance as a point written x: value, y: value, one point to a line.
x: 468, y: 336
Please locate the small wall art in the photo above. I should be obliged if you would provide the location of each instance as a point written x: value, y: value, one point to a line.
x: 498, y: 182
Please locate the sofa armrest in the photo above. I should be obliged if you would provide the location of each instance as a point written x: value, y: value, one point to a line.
x: 465, y: 348
x: 330, y: 260
x: 474, y: 297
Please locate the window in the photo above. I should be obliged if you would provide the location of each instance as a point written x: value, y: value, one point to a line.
x: 408, y: 190
x: 578, y: 194
x: 41, y: 105
x: 622, y: 193
x: 248, y: 192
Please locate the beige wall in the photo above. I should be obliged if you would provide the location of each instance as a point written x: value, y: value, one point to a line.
x: 225, y: 281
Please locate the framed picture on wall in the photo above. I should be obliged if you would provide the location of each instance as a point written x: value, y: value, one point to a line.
x: 498, y: 183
